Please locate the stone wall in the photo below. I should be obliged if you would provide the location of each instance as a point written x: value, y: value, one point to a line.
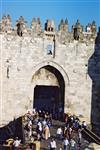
x: 22, y: 58
x: 20, y: 55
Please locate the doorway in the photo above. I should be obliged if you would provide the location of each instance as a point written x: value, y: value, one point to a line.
x: 49, y: 95
x: 46, y: 97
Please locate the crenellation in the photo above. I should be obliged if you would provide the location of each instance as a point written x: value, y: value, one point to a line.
x: 62, y: 33
x: 21, y: 26
x: 63, y: 26
x: 36, y: 27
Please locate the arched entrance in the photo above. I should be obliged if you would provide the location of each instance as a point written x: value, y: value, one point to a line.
x: 49, y: 91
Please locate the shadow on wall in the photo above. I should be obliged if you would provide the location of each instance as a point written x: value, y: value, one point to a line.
x: 94, y: 73
x: 12, y: 130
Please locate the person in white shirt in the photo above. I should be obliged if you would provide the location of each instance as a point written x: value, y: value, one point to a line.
x: 53, y: 145
x: 65, y: 144
x: 39, y: 130
x: 84, y: 124
x: 59, y: 133
x: 44, y: 123
x: 16, y: 143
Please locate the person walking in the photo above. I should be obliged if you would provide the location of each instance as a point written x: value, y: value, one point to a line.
x: 53, y: 145
x: 72, y: 144
x: 46, y: 132
x: 65, y: 144
x: 16, y: 144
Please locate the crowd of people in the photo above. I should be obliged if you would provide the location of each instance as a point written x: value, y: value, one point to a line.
x: 38, y: 125
x: 42, y: 120
x: 43, y: 123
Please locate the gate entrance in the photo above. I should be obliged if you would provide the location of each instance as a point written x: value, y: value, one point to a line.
x: 47, y: 98
x: 50, y: 96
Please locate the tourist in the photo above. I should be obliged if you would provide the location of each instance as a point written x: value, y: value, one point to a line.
x: 70, y: 132
x: 44, y: 123
x: 29, y: 116
x: 76, y: 124
x: 46, y: 116
x: 66, y: 132
x: 66, y: 117
x: 65, y: 144
x: 49, y: 121
x: 33, y: 114
x: 79, y: 137
x: 39, y: 130
x: 53, y: 145
x: 36, y: 118
x: 16, y: 144
x: 29, y: 124
x: 30, y: 132
x: 46, y: 132
x: 60, y: 110
x: 84, y: 124
x: 59, y: 133
x: 72, y: 144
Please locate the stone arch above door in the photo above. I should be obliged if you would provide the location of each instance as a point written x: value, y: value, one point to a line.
x: 61, y: 70
x: 56, y: 66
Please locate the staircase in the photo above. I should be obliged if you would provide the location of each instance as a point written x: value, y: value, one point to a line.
x: 88, y: 135
x: 91, y: 136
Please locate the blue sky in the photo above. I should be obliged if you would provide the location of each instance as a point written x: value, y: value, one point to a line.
x: 85, y: 10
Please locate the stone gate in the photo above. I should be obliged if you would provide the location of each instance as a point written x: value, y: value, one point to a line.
x: 35, y: 60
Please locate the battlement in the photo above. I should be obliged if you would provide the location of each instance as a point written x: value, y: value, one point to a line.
x: 62, y: 33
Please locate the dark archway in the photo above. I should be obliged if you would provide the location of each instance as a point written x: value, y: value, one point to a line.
x: 50, y: 97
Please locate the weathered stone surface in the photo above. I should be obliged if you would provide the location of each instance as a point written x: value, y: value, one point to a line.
x: 23, y: 61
